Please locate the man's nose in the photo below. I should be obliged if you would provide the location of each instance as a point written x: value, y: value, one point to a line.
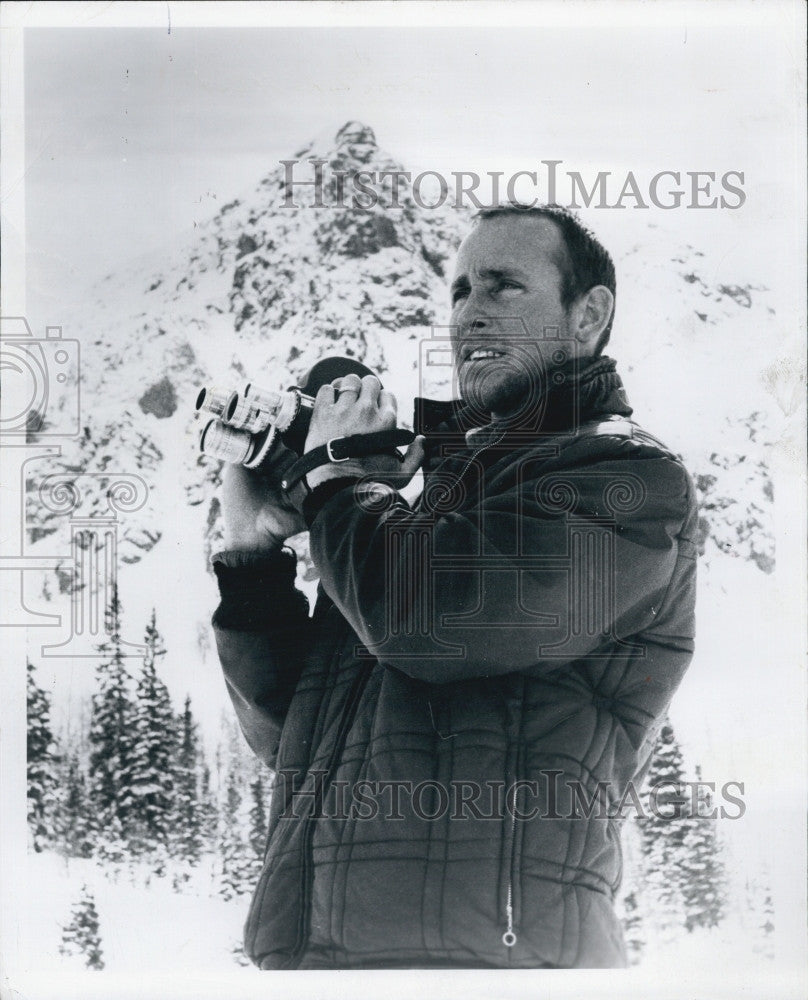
x: 471, y: 318
x: 465, y: 330
x: 473, y: 315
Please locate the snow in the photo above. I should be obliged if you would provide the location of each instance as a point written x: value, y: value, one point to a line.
x: 160, y: 943
x: 175, y: 937
x: 178, y: 939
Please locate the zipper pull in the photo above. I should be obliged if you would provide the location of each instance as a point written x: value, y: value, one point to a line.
x: 509, y: 938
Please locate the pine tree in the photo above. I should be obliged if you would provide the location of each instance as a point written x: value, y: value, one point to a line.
x: 257, y: 835
x: 42, y: 764
x: 701, y: 871
x: 237, y: 870
x: 209, y: 813
x: 188, y: 820
x: 258, y: 816
x: 200, y: 832
x: 112, y: 845
x: 632, y: 902
x: 75, y: 817
x: 238, y: 859
x: 111, y: 735
x: 153, y: 756
x: 760, y: 909
x: 766, y: 929
x: 81, y: 935
x: 632, y: 927
x: 663, y: 827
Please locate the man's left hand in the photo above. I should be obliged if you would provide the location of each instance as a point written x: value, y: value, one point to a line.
x: 350, y: 405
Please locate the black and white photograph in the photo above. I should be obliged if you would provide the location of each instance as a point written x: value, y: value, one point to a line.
x: 403, y: 449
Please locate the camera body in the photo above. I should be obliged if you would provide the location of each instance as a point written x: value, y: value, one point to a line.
x: 43, y: 381
x: 248, y: 426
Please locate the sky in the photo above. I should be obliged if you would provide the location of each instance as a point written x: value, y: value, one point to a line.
x: 132, y: 134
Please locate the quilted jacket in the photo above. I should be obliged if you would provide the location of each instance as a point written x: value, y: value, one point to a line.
x: 457, y: 729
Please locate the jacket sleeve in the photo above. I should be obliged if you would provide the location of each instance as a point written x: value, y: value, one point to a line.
x: 260, y: 627
x: 547, y: 567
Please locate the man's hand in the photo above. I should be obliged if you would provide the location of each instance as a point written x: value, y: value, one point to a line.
x: 350, y: 405
x: 258, y: 517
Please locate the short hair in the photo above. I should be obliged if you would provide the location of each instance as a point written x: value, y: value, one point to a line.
x: 588, y: 263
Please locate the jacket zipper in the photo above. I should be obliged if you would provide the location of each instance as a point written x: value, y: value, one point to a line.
x: 509, y: 938
x: 479, y: 451
x: 469, y: 461
x: 348, y: 715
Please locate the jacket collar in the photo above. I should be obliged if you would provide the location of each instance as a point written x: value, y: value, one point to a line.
x: 576, y: 393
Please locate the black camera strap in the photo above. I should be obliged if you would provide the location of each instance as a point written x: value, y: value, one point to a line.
x: 341, y: 449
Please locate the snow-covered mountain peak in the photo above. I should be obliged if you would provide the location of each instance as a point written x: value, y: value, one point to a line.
x: 354, y: 140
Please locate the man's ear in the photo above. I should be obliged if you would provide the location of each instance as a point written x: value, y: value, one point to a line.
x: 591, y: 315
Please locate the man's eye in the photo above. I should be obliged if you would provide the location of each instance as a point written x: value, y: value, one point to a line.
x: 508, y: 285
x: 458, y: 294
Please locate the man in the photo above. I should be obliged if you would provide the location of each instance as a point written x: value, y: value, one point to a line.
x: 457, y: 730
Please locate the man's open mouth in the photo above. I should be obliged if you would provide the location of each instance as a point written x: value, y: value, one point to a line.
x: 482, y: 353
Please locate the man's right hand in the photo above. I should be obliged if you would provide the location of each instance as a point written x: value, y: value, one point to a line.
x: 258, y: 516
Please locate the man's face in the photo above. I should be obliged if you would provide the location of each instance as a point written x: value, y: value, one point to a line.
x: 508, y: 322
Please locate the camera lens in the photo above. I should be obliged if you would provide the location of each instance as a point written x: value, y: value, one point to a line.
x: 212, y: 401
x: 226, y: 443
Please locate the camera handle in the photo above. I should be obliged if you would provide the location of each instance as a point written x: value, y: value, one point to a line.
x: 341, y: 449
